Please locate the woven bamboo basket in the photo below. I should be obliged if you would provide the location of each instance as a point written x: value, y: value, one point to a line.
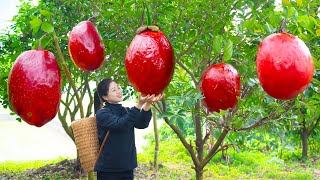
x: 86, y: 139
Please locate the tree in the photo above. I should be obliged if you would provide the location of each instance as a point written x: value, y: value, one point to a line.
x: 202, y: 33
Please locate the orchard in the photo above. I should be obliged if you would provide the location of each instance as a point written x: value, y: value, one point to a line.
x: 231, y: 71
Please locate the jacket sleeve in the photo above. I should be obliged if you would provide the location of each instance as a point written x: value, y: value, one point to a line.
x: 143, y: 119
x: 106, y: 119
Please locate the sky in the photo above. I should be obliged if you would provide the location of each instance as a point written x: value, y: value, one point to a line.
x: 8, y: 8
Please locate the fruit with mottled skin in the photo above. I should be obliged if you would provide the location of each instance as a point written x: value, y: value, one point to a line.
x: 220, y: 86
x: 85, y: 46
x: 34, y: 87
x: 284, y: 66
x: 150, y: 62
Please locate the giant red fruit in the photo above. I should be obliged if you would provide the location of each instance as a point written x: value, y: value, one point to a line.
x: 34, y: 87
x: 220, y: 86
x: 150, y: 62
x: 85, y: 46
x: 284, y: 65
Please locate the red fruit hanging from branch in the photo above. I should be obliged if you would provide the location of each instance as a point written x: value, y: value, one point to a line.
x: 34, y: 87
x: 284, y: 65
x: 85, y: 46
x: 150, y: 61
x: 220, y: 86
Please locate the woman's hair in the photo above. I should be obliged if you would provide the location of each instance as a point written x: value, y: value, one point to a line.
x: 102, y: 90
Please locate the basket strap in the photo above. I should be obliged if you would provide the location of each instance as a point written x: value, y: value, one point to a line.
x: 104, y: 141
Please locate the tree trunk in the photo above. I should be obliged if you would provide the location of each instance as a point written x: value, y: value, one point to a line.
x: 156, y: 139
x: 199, y: 174
x: 199, y: 143
x: 91, y: 175
x: 304, y: 137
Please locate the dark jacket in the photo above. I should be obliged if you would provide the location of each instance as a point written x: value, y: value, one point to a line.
x: 119, y: 152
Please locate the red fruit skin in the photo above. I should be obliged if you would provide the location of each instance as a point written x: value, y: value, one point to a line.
x: 284, y: 66
x: 150, y: 62
x: 85, y: 46
x: 220, y: 86
x: 34, y: 87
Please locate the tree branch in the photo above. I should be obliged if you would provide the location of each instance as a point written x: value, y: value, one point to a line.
x: 180, y: 136
x: 187, y: 50
x: 213, y: 150
x: 316, y: 124
x: 90, y: 96
x: 65, y: 69
x: 274, y: 114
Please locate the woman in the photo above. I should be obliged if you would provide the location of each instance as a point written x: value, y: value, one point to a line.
x: 119, y: 158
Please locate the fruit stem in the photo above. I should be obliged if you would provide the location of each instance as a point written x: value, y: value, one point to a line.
x: 40, y: 41
x: 65, y: 69
x: 283, y: 25
x: 148, y: 14
x: 92, y: 17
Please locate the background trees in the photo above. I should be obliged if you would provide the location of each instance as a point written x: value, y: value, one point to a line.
x: 202, y: 33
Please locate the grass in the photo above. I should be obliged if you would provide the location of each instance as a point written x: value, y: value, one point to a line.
x: 17, y: 166
x: 242, y: 165
x: 176, y: 164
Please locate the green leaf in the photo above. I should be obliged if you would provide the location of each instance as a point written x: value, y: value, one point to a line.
x: 46, y: 27
x: 167, y: 114
x: 19, y: 119
x: 291, y: 12
x: 35, y: 24
x: 217, y: 43
x: 45, y: 41
x: 228, y: 49
x: 180, y: 122
x: 318, y: 31
x: 303, y: 21
x: 45, y: 13
x: 299, y: 2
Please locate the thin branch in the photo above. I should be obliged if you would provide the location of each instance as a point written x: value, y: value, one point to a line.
x: 90, y: 96
x: 273, y: 115
x: 65, y: 69
x: 317, y: 123
x: 206, y: 137
x: 180, y: 136
x: 187, y: 50
x: 214, y: 148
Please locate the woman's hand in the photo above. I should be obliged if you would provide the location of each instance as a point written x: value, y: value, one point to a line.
x: 148, y: 100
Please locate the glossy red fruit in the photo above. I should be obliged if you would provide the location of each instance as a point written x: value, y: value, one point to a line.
x: 220, y: 86
x: 284, y: 65
x: 150, y: 62
x: 34, y: 87
x: 85, y: 46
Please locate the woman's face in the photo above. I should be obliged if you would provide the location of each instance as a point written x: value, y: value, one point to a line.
x: 114, y: 94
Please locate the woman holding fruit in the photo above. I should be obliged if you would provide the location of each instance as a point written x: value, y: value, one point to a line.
x: 118, y: 158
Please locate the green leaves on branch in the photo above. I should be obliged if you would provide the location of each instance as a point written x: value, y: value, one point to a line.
x: 46, y: 27
x: 36, y: 23
x: 217, y: 44
x: 45, y: 13
x: 303, y: 21
x: 228, y: 49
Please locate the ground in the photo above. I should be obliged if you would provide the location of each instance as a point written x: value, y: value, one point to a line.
x: 66, y: 169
